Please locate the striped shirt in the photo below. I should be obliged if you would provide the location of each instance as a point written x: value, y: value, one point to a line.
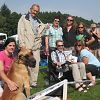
x: 57, y: 55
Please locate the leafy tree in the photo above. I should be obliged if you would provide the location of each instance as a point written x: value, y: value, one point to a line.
x: 12, y: 23
x: 9, y: 20
x: 5, y: 11
x: 2, y: 22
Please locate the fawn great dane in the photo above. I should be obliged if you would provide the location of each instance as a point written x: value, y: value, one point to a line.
x: 20, y: 75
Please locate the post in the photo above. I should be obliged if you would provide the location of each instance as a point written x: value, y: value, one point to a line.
x: 65, y: 85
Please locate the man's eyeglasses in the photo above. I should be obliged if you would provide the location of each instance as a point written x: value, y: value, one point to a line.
x: 60, y: 45
x: 78, y: 45
x: 69, y: 20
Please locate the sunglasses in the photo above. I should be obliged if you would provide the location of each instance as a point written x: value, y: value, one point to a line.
x: 60, y: 45
x: 80, y: 27
x: 69, y: 20
x: 56, y: 20
x: 78, y: 45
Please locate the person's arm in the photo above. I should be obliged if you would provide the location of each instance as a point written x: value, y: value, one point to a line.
x: 85, y: 60
x: 12, y: 85
x: 46, y: 45
x: 98, y: 35
x: 21, y: 30
x: 95, y: 32
x: 90, y: 41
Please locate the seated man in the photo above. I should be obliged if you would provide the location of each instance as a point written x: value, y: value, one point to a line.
x: 78, y: 69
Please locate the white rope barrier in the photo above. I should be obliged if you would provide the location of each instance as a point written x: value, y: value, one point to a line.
x: 46, y: 91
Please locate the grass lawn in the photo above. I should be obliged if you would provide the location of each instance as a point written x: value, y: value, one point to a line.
x: 92, y: 94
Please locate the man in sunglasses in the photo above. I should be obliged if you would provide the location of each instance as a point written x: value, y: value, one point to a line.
x: 60, y: 58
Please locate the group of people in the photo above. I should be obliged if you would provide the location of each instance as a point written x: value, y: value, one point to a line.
x: 57, y: 39
x: 76, y: 39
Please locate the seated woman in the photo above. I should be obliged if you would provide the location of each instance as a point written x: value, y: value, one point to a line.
x: 78, y: 69
x: 6, y: 60
x: 91, y: 62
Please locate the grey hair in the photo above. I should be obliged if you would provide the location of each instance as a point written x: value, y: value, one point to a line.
x: 36, y: 6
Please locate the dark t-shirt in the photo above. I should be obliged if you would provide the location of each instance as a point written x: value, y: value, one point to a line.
x: 69, y: 38
x: 85, y: 36
x: 95, y: 45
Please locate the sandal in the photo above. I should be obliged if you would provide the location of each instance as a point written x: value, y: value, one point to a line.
x: 85, y: 87
x: 80, y: 88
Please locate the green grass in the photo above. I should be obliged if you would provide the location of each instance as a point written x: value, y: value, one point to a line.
x: 99, y: 58
x: 92, y: 94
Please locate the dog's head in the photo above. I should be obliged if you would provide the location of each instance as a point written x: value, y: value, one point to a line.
x: 26, y: 57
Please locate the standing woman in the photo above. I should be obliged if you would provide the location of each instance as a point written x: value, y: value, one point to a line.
x: 95, y: 46
x: 6, y: 59
x: 82, y: 34
x: 69, y: 33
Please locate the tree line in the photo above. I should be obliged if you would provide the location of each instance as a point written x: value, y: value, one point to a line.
x: 9, y: 20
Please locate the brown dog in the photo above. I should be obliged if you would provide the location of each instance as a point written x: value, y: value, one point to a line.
x: 19, y: 74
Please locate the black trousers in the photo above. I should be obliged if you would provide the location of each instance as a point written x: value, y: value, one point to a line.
x: 93, y: 69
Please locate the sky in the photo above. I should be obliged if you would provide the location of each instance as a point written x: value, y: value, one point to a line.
x: 88, y: 9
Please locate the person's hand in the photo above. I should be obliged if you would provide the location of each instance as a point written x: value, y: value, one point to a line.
x: 58, y: 64
x: 95, y: 31
x: 72, y: 62
x: 12, y: 86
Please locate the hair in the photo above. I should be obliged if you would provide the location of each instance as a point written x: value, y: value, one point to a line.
x: 8, y: 41
x: 58, y: 41
x: 36, y: 6
x: 82, y: 43
x: 81, y: 23
x: 93, y: 25
x: 74, y: 23
x: 57, y: 17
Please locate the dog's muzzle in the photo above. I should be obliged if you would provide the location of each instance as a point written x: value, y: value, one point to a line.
x: 30, y: 61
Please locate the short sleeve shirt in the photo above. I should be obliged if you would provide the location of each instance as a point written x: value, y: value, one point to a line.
x: 92, y: 59
x: 7, y: 61
x: 54, y: 34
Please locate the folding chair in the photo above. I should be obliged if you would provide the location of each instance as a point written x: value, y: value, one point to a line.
x: 53, y: 74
